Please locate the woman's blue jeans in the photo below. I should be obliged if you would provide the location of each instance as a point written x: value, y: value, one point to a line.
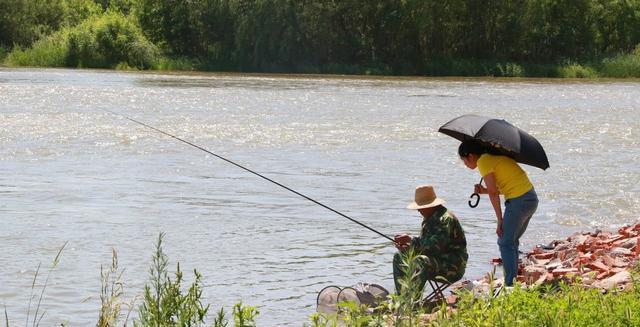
x: 517, y: 213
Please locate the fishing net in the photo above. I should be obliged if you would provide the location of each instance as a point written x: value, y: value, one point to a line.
x: 369, y: 295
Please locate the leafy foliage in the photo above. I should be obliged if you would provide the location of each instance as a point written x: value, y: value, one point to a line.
x: 455, y: 37
x: 165, y: 303
x: 101, y: 42
x: 24, y: 22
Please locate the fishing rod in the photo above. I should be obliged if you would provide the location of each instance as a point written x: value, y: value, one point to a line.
x: 249, y: 170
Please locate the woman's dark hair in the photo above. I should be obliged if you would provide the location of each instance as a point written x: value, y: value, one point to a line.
x: 470, y: 147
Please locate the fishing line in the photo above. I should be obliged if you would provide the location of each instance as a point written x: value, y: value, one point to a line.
x: 249, y: 170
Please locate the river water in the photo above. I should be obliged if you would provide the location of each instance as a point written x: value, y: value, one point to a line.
x: 71, y: 172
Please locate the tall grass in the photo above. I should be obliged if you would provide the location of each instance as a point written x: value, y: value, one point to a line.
x: 37, y: 315
x: 3, y: 53
x: 626, y: 65
x: 50, y: 51
x: 168, y: 64
x: 111, y: 295
x: 575, y: 70
x: 165, y: 301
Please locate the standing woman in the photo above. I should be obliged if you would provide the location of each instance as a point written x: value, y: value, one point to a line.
x: 503, y: 175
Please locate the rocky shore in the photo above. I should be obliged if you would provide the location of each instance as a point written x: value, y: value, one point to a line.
x: 598, y: 259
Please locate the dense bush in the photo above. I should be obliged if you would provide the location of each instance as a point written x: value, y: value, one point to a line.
x: 107, y: 41
x: 101, y: 42
x: 24, y: 22
x: 622, y: 65
x: 50, y: 51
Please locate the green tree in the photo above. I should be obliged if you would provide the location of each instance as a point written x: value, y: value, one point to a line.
x: 618, y: 26
x: 268, y: 36
x: 171, y: 24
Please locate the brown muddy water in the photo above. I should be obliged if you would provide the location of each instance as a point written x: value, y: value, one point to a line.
x: 69, y: 172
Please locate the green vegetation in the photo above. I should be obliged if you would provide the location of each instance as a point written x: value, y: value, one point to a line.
x: 104, y: 41
x: 551, y: 38
x: 562, y: 304
x: 164, y: 302
x: 37, y: 315
x: 623, y: 65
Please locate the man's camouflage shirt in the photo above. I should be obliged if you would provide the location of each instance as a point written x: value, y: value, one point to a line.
x: 442, y: 241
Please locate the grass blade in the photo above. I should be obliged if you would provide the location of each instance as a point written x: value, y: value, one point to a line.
x: 33, y: 286
x: 56, y: 260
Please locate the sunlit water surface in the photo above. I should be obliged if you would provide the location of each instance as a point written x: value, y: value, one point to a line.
x: 71, y: 172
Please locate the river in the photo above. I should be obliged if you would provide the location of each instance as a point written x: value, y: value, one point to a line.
x: 71, y: 172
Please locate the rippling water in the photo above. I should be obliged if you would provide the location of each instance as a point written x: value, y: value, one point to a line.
x: 72, y: 172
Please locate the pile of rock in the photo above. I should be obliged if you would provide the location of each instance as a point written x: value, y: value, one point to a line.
x: 599, y: 259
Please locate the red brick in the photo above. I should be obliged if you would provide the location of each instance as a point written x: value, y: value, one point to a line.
x: 604, y: 274
x: 547, y: 255
x: 612, y: 239
x: 563, y: 271
x: 597, y: 265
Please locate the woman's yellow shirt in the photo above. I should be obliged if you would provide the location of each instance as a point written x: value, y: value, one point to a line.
x: 511, y: 180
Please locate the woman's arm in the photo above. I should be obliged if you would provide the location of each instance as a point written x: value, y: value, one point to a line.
x: 494, y: 196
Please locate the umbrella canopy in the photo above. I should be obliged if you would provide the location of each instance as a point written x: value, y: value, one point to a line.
x: 499, y: 134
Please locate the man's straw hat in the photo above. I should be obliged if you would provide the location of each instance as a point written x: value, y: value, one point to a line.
x: 425, y: 198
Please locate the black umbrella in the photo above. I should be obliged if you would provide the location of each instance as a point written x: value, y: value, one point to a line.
x: 503, y: 137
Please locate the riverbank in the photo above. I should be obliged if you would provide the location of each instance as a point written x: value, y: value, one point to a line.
x: 400, y: 38
x: 50, y: 54
x: 589, y: 278
x: 568, y: 281
x: 598, y: 259
x: 114, y: 40
x: 603, y: 290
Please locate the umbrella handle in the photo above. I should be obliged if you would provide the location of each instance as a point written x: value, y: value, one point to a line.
x: 477, y: 196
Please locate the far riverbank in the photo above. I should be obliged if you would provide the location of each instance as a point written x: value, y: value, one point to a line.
x: 622, y: 66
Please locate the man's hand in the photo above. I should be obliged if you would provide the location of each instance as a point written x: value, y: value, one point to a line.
x: 402, y: 242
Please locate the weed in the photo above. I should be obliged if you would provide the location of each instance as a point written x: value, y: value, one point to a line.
x: 164, y: 303
x: 111, y: 291
x: 37, y: 316
x: 627, y: 65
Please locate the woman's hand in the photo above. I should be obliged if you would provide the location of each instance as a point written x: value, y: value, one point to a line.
x: 499, y: 229
x: 478, y: 188
x: 402, y: 242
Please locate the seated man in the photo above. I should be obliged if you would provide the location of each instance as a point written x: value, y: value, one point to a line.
x: 441, y: 245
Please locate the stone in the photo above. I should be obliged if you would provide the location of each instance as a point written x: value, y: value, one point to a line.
x: 553, y: 264
x: 546, y: 255
x: 619, y: 279
x: 534, y: 275
x: 597, y: 265
x: 627, y: 243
